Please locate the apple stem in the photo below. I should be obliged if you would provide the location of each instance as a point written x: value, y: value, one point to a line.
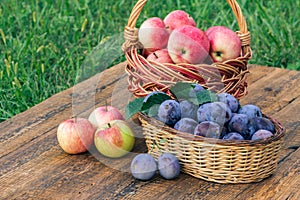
x: 109, y: 125
x: 75, y: 118
x: 106, y: 106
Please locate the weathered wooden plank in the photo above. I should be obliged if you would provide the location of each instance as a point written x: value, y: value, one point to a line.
x: 290, y: 117
x: 274, y: 90
x: 257, y: 72
x: 53, y: 171
x: 274, y: 187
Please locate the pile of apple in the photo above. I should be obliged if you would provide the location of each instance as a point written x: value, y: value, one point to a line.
x: 106, y: 128
x: 176, y: 39
x: 112, y: 136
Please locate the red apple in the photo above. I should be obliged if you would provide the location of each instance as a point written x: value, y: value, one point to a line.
x: 178, y: 18
x: 104, y: 114
x: 224, y: 43
x: 114, y: 139
x: 188, y: 44
x: 75, y: 135
x: 153, y: 34
x: 161, y: 56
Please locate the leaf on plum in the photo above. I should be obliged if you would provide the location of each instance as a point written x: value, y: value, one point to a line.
x: 133, y: 107
x: 153, y: 111
x: 182, y: 90
x: 185, y: 91
x: 155, y: 98
x: 147, y: 106
x: 206, y: 96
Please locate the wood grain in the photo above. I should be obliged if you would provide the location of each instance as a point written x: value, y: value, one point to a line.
x: 33, y: 166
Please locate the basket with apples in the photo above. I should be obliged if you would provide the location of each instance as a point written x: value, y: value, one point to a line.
x: 170, y: 59
x: 163, y: 51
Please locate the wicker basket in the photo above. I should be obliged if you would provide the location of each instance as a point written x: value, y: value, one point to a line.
x: 146, y: 76
x: 215, y: 160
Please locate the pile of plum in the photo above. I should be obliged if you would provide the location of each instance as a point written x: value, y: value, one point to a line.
x: 200, y: 112
x: 224, y: 118
x: 144, y: 166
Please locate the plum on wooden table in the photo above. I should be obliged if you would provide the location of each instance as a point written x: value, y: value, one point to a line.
x: 143, y: 166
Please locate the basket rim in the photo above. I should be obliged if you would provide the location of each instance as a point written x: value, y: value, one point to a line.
x: 231, y: 74
x: 279, y: 133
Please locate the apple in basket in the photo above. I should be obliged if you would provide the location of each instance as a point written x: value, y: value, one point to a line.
x: 75, y: 135
x: 178, y: 18
x: 188, y: 44
x: 153, y: 34
x: 160, y: 56
x: 224, y: 43
x: 104, y: 114
x: 114, y: 139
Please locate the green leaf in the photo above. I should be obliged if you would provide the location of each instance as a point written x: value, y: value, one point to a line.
x: 155, y: 98
x: 148, y: 105
x: 185, y: 91
x: 182, y: 90
x: 153, y: 111
x: 206, y: 96
x: 133, y: 107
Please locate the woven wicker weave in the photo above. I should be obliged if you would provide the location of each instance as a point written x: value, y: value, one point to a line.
x: 145, y: 76
x: 215, y: 160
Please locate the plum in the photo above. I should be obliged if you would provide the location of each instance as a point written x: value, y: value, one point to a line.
x: 242, y: 124
x: 188, y: 109
x: 261, y: 134
x: 224, y: 130
x: 233, y: 136
x: 217, y: 112
x: 208, y: 129
x: 230, y: 100
x: 168, y: 166
x: 186, y: 125
x: 143, y: 166
x: 198, y: 87
x: 169, y: 112
x: 263, y: 123
x: 250, y: 110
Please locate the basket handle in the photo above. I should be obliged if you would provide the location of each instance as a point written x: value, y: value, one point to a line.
x: 131, y: 32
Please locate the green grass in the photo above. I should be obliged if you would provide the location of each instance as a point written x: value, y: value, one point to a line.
x: 45, y: 44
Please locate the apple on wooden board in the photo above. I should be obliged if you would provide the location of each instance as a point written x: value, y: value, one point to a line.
x: 153, y: 34
x: 188, y: 44
x: 104, y: 114
x: 75, y: 135
x: 114, y: 139
x: 160, y: 56
x: 178, y: 18
x: 224, y: 43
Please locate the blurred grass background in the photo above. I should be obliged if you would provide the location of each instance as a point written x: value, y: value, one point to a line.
x: 43, y: 43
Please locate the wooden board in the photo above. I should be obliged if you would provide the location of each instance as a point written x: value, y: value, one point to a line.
x: 33, y: 166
